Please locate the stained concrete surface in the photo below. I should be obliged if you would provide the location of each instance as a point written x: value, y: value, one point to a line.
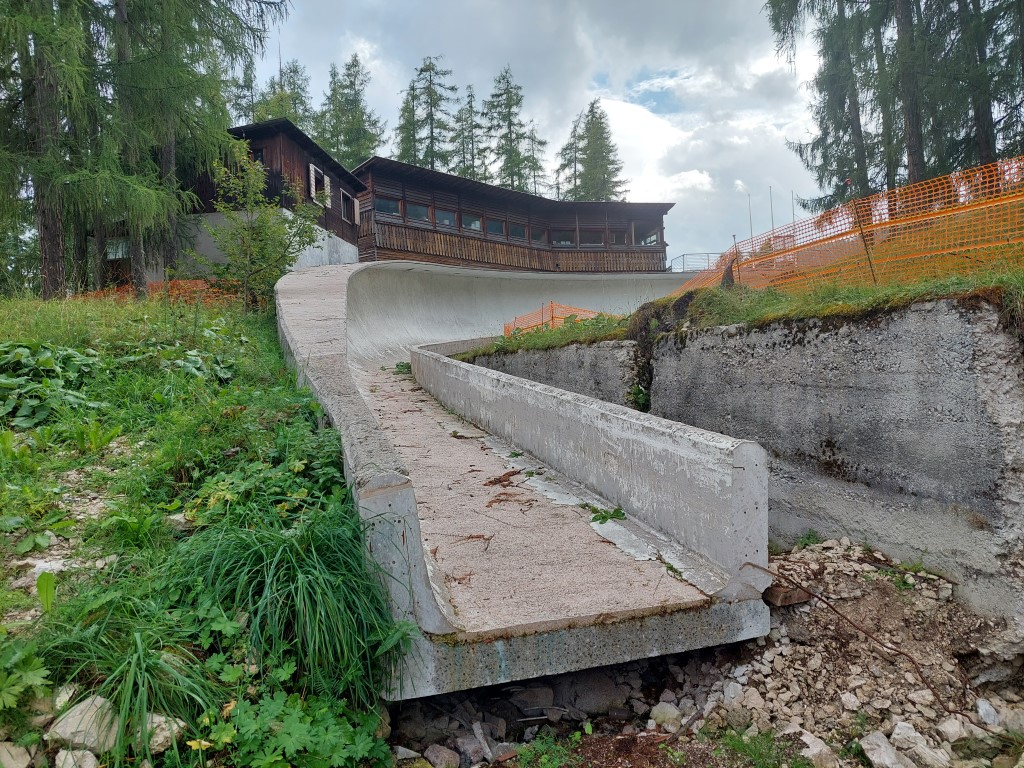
x: 461, y: 575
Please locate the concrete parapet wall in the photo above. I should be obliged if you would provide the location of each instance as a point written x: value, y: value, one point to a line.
x: 606, y: 370
x: 704, y: 490
x: 904, y: 430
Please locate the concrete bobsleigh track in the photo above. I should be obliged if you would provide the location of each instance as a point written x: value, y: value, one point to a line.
x: 479, y: 523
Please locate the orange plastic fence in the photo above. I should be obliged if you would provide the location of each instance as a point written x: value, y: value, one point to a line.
x: 551, y: 315
x: 187, y: 291
x: 970, y: 221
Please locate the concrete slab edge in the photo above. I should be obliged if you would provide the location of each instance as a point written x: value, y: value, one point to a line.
x: 442, y: 665
x: 382, y: 491
x: 705, y: 490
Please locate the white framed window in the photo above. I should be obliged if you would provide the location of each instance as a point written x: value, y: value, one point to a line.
x: 319, y: 186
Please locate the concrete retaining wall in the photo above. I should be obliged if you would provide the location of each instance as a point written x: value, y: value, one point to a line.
x: 706, y: 491
x: 905, y: 430
x: 606, y: 371
x: 330, y: 249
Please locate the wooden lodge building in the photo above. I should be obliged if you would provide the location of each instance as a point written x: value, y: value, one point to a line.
x: 385, y: 210
x: 413, y: 213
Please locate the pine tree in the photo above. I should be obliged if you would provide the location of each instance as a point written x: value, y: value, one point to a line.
x: 508, y: 134
x: 407, y: 147
x: 469, y: 149
x: 568, y: 173
x: 345, y: 126
x: 286, y: 95
x: 533, y: 161
x: 433, y: 118
x: 600, y: 167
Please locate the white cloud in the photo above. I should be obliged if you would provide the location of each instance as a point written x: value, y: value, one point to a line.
x: 699, y: 105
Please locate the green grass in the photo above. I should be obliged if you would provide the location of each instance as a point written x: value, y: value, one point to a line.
x: 765, y: 750
x: 191, y: 410
x: 756, y: 308
x: 591, y: 331
x: 809, y: 538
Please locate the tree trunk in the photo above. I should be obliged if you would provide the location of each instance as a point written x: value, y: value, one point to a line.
x: 44, y: 131
x: 971, y: 26
x: 168, y: 175
x: 886, y: 108
x: 906, y: 54
x: 100, y: 243
x: 860, y: 155
x: 79, y: 256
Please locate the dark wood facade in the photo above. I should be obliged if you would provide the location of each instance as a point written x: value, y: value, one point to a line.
x: 312, y: 175
x: 413, y: 213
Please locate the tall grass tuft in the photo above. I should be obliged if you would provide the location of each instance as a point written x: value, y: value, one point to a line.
x: 308, y: 592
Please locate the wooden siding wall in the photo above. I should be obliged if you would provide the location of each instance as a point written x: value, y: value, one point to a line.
x: 391, y: 238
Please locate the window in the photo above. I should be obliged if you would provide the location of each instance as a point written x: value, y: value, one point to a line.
x: 591, y: 237
x: 387, y: 205
x: 651, y: 238
x: 319, y: 186
x: 517, y: 230
x: 539, y: 235
x: 257, y: 155
x: 417, y: 212
x: 496, y: 227
x: 563, y: 237
x: 617, y: 237
x: 472, y: 221
x: 348, y: 207
x: 444, y: 218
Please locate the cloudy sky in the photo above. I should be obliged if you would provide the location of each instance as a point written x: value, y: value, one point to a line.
x: 700, y: 105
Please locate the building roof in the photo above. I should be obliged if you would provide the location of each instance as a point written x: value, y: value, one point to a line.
x: 432, y: 179
x: 287, y: 127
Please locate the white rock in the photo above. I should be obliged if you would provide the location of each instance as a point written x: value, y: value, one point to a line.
x: 924, y: 696
x: 817, y: 751
x: 732, y: 694
x: 752, y: 700
x: 850, y: 701
x: 13, y: 756
x: 667, y: 716
x: 1012, y: 719
x: 64, y: 696
x: 987, y: 712
x: 91, y: 724
x: 927, y: 757
x: 882, y: 754
x: 951, y: 729
x: 905, y: 737
x: 163, y: 732
x: 814, y: 663
x: 77, y: 758
x: 401, y: 753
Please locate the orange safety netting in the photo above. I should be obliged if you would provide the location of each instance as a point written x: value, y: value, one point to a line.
x: 970, y: 221
x: 550, y: 315
x: 187, y: 291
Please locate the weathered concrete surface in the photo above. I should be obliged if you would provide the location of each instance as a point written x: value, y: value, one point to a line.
x: 605, y: 370
x: 706, y: 491
x: 905, y: 430
x: 339, y: 325
x: 397, y: 305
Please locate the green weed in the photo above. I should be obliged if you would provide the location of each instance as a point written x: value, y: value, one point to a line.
x: 600, y: 328
x: 545, y: 751
x: 764, y: 750
x: 602, y: 516
x: 403, y: 367
x: 809, y: 538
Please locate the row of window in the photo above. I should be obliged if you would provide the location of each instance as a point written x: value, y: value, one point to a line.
x: 473, y: 222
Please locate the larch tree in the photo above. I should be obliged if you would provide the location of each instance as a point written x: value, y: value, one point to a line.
x: 286, y: 95
x: 407, y: 145
x: 469, y: 147
x: 345, y: 125
x: 507, y: 133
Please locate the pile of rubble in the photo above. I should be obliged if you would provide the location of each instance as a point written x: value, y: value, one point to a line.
x: 891, y: 674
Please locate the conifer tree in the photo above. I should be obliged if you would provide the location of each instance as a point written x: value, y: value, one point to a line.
x: 286, y: 95
x: 407, y: 147
x: 507, y: 133
x: 469, y: 148
x: 345, y: 126
x: 590, y: 168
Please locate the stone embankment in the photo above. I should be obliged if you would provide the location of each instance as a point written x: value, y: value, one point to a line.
x: 903, y: 429
x: 817, y: 678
